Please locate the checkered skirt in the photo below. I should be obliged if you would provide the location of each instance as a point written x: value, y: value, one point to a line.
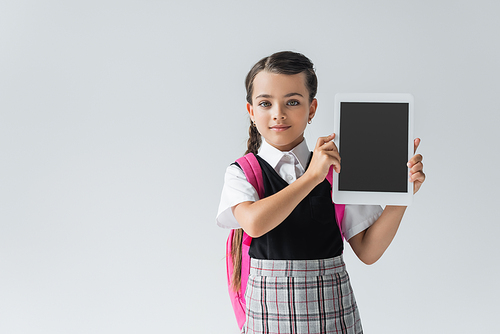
x: 300, y: 296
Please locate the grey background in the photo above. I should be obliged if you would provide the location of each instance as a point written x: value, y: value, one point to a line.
x: 118, y: 119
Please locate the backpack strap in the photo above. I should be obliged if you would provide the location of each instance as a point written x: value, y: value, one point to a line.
x: 238, y: 297
x: 251, y: 167
x: 339, y: 208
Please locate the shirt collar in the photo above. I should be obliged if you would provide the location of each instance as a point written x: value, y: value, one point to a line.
x: 273, y: 156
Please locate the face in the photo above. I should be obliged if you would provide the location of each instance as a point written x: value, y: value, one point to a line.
x: 281, y: 108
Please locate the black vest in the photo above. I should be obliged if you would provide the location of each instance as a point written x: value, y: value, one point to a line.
x: 309, y: 232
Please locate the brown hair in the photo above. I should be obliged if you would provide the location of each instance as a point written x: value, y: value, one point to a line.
x: 284, y: 62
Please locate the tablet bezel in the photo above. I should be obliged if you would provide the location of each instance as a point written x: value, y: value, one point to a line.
x: 361, y: 197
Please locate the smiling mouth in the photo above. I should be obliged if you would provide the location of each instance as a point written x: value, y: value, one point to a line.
x: 280, y: 127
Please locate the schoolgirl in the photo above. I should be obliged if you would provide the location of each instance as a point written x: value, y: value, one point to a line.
x: 298, y: 282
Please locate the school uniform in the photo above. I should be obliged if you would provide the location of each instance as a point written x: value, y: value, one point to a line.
x: 298, y: 282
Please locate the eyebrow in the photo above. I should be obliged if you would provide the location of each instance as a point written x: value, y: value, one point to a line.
x: 267, y: 96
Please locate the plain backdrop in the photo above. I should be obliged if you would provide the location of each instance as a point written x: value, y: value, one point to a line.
x: 118, y: 119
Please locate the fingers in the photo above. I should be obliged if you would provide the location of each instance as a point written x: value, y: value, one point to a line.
x: 416, y: 142
x: 325, y: 155
x: 323, y: 140
x: 416, y: 173
x: 326, y: 143
x: 417, y: 177
x: 414, y: 160
x: 418, y: 167
x: 329, y: 146
x: 336, y: 166
x: 333, y: 157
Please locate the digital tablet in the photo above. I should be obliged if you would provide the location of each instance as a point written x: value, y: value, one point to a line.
x: 374, y: 136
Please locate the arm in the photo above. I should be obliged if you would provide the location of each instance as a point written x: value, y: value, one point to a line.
x: 370, y: 244
x: 260, y: 217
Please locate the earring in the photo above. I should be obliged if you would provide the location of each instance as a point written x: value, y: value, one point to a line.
x: 310, y: 121
x: 253, y: 123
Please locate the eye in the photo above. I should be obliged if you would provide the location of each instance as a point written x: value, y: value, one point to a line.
x: 293, y: 103
x: 264, y: 104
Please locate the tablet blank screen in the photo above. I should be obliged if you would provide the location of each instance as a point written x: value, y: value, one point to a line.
x: 373, y: 146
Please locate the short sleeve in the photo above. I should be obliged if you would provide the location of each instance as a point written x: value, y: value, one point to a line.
x: 236, y: 190
x: 358, y: 218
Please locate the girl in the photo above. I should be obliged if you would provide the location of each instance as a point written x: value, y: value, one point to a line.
x: 298, y: 282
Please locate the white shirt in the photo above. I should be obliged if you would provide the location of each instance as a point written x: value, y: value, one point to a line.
x: 290, y: 166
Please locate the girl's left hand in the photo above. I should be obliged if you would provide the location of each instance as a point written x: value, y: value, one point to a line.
x: 416, y: 166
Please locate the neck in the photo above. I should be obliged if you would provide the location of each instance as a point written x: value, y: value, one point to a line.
x: 287, y: 147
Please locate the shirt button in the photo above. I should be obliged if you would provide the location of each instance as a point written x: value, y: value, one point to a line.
x: 286, y: 157
x: 289, y: 177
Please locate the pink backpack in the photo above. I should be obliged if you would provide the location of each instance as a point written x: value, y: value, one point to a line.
x: 253, y: 173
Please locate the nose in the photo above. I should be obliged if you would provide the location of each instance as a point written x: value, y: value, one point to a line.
x: 279, y: 113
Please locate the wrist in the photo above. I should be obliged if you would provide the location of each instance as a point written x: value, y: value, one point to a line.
x: 312, y: 178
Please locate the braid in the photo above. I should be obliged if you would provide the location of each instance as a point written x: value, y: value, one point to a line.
x: 236, y: 250
x: 254, y: 140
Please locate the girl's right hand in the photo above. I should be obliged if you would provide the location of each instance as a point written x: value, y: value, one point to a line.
x: 260, y: 217
x: 325, y: 155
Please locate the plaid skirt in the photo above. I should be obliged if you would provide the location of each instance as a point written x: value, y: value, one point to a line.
x: 300, y: 296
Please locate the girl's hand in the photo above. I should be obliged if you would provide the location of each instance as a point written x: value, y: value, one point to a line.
x: 259, y: 217
x: 325, y: 155
x: 416, y: 166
